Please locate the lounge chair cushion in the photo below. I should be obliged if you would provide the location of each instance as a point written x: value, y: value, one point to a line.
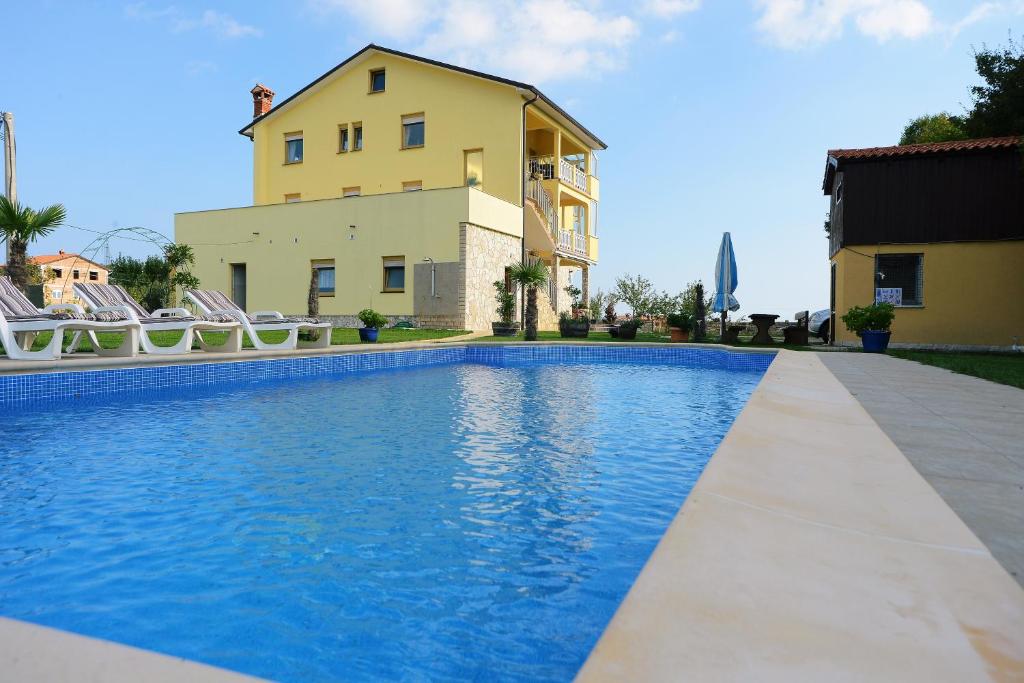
x: 212, y: 300
x: 15, y: 306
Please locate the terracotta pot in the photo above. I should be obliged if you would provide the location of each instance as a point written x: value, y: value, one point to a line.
x: 678, y: 335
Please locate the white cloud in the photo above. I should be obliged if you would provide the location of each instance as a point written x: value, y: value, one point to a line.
x: 218, y: 23
x: 668, y: 9
x: 531, y: 40
x: 982, y: 12
x: 795, y: 24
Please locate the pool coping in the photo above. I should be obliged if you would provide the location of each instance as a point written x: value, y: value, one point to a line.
x: 89, y: 361
x: 811, y: 549
x: 786, y: 562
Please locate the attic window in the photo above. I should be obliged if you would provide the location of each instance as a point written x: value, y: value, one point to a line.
x: 377, y: 80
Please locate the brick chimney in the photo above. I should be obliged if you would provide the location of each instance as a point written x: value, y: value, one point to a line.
x: 262, y: 100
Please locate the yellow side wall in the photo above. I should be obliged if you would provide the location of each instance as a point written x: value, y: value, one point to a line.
x: 461, y: 113
x: 973, y: 293
x: 290, y: 236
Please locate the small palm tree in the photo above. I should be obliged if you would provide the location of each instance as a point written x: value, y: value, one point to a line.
x: 20, y: 225
x: 530, y: 275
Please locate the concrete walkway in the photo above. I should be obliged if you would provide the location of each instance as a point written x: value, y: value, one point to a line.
x: 964, y: 435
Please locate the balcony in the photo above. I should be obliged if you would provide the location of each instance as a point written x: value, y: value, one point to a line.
x: 568, y: 172
x: 566, y: 242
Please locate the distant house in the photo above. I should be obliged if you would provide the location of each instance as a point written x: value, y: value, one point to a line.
x: 936, y: 229
x: 62, y: 270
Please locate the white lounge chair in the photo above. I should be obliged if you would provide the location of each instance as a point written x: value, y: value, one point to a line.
x: 115, y: 301
x: 21, y: 322
x: 214, y: 305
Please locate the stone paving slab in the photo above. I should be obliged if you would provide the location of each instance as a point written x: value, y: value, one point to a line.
x: 963, y: 434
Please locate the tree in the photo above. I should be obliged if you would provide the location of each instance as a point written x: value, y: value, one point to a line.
x: 152, y: 282
x: 595, y: 305
x: 692, y: 300
x: 664, y: 304
x: 20, y: 225
x: 933, y: 128
x: 636, y: 292
x: 530, y: 275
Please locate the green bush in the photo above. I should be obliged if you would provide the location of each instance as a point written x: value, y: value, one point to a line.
x: 680, y: 320
x: 874, y: 318
x: 371, y: 318
x: 506, y: 300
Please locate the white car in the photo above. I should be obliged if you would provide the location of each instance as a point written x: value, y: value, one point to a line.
x: 820, y: 324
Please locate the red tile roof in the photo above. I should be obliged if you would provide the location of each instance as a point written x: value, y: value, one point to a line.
x: 44, y: 259
x: 926, y: 148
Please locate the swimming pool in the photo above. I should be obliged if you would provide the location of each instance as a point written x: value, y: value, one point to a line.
x: 454, y: 521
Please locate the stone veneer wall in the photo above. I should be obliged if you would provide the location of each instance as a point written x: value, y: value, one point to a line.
x: 484, y: 254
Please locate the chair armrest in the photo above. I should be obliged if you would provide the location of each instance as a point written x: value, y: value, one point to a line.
x: 267, y: 314
x: 56, y: 307
x: 171, y: 313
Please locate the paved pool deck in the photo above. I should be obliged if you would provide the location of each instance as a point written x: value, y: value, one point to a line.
x: 963, y: 434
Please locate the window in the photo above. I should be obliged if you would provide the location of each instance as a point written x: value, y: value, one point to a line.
x: 342, y: 139
x: 74, y: 274
x: 474, y: 168
x: 58, y: 273
x: 394, y: 273
x: 292, y: 198
x: 900, y: 278
x: 324, y: 277
x: 56, y: 293
x: 412, y: 186
x: 357, y: 137
x: 412, y: 131
x: 350, y: 192
x: 839, y: 190
x: 377, y: 80
x: 293, y: 148
x: 94, y: 275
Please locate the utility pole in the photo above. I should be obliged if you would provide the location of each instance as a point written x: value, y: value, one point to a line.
x: 10, y: 182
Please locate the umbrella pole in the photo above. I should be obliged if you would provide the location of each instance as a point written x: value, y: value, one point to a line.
x: 722, y: 330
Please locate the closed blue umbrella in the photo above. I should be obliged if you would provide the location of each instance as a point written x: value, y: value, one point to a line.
x: 726, y: 280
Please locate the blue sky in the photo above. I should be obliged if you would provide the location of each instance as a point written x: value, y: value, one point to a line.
x: 717, y: 114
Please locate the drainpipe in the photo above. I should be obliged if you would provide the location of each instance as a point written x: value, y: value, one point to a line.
x: 522, y: 203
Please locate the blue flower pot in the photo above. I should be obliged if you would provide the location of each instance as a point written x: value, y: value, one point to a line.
x: 875, y: 342
x: 368, y: 334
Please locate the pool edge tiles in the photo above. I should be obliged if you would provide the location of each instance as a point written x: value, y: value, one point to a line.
x: 55, y: 386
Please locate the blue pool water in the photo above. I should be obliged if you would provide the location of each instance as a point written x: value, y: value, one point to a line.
x: 455, y: 522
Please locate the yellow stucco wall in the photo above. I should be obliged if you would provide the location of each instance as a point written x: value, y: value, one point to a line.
x: 290, y: 236
x: 973, y: 293
x: 461, y: 113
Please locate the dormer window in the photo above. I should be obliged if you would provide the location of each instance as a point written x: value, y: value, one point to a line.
x: 377, y: 80
x: 293, y: 148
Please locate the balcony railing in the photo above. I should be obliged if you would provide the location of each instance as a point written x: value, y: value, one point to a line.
x: 572, y: 242
x: 569, y: 173
x: 572, y: 175
x: 536, y: 192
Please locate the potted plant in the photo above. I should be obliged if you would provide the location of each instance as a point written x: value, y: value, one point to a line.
x: 679, y: 326
x: 627, y: 328
x: 574, y: 294
x: 571, y: 327
x: 372, y: 322
x: 506, y: 326
x: 531, y: 275
x: 871, y: 323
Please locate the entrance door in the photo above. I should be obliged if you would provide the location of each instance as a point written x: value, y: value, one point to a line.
x: 238, y: 284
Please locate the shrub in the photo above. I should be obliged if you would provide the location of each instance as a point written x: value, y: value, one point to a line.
x: 680, y: 320
x: 631, y: 324
x: 874, y: 318
x: 371, y: 318
x: 506, y: 302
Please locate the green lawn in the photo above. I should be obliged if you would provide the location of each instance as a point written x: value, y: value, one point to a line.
x: 339, y: 335
x: 996, y: 367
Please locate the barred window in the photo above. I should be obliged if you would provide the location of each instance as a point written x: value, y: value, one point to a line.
x: 900, y: 277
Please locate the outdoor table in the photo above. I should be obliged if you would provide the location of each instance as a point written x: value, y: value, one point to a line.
x: 762, y: 321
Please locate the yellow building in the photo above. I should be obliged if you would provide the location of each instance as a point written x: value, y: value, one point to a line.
x: 409, y: 186
x: 60, y: 273
x: 937, y: 230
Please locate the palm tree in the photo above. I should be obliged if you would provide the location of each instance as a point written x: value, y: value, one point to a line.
x: 20, y: 225
x: 530, y: 275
